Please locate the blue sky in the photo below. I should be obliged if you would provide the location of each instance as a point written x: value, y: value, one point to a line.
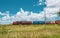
x: 14, y: 5
x: 29, y: 10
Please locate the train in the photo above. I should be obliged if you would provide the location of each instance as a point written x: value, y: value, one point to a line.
x: 22, y: 22
x: 35, y: 22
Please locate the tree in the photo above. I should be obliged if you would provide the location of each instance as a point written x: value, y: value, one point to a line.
x: 58, y: 13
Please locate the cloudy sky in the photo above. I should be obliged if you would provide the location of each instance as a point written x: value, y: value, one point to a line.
x: 28, y: 10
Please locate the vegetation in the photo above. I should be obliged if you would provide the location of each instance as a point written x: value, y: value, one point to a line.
x: 58, y: 13
x: 30, y: 31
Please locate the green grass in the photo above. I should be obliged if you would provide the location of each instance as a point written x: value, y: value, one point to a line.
x: 30, y: 31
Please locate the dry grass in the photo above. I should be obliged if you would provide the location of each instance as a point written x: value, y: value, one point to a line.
x: 30, y: 31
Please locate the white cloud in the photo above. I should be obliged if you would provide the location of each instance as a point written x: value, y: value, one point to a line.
x: 41, y: 2
x: 2, y: 13
x: 6, y: 17
x: 53, y: 2
x: 24, y: 16
x: 28, y: 16
x: 5, y: 13
x: 51, y: 10
x: 53, y: 7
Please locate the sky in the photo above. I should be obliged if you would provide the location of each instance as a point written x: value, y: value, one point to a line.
x: 28, y: 10
x: 14, y: 5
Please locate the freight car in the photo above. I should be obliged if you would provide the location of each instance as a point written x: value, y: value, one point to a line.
x: 25, y: 22
x: 38, y: 22
x: 50, y: 22
x: 16, y: 23
x: 47, y: 22
x: 57, y: 22
x: 22, y: 22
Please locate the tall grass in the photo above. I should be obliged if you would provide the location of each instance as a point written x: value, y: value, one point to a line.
x: 30, y: 31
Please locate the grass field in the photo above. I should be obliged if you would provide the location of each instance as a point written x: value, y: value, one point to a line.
x: 30, y: 31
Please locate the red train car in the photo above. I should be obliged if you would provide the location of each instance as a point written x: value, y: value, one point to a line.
x: 50, y: 22
x: 22, y: 22
x: 25, y: 22
x: 47, y: 22
x: 16, y: 23
x: 57, y: 22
